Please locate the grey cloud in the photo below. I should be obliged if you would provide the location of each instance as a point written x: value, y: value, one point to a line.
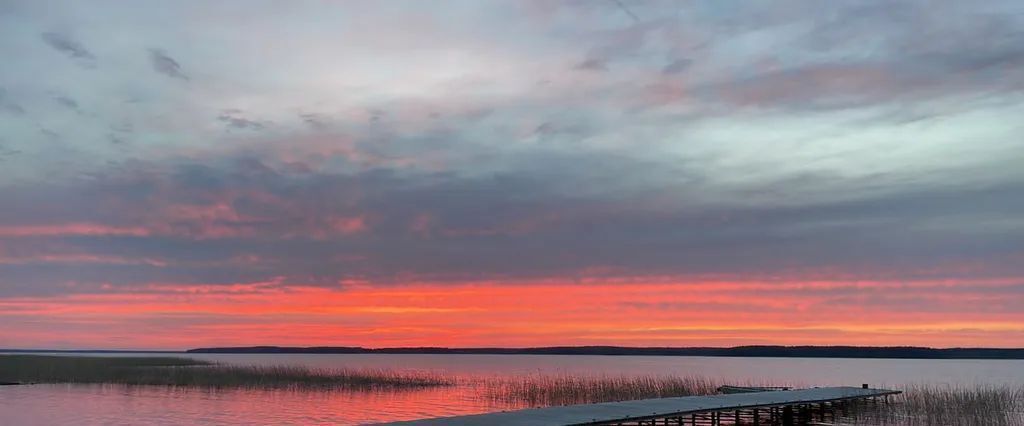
x: 314, y: 121
x: 8, y: 105
x: 622, y: 43
x: 555, y: 128
x: 859, y: 53
x: 917, y: 55
x: 6, y: 153
x: 677, y: 66
x: 854, y: 85
x: 544, y: 128
x: 592, y: 64
x: 164, y: 64
x: 12, y: 108
x: 67, y: 102
x: 116, y: 139
x: 555, y: 215
x: 50, y: 134
x: 234, y: 120
x: 65, y: 44
x: 123, y: 127
x: 626, y: 10
x: 120, y: 133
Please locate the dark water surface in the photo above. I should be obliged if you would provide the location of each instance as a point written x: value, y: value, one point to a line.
x: 120, y: 405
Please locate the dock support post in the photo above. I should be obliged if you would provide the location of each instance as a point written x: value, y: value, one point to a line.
x: 757, y: 418
x: 787, y: 416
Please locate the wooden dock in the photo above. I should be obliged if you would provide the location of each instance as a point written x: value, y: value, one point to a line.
x: 790, y: 407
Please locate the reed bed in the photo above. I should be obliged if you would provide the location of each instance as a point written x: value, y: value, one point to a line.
x: 916, y: 406
x: 551, y: 390
x: 926, y: 405
x: 169, y: 371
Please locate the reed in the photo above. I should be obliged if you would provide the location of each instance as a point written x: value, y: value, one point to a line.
x: 916, y: 406
x: 921, y: 405
x: 168, y: 371
x: 550, y: 390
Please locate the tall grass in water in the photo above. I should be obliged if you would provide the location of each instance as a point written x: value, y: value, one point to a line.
x: 549, y: 390
x: 926, y: 405
x: 916, y: 406
x: 168, y: 371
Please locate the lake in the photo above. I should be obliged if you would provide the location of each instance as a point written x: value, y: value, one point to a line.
x: 120, y: 405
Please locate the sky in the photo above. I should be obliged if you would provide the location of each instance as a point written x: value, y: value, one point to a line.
x: 511, y: 173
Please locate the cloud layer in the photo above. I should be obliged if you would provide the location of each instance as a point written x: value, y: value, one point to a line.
x: 516, y: 145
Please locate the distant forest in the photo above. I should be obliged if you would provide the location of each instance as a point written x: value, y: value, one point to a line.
x: 908, y: 352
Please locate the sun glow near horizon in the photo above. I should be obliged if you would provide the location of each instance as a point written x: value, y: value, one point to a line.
x: 519, y: 315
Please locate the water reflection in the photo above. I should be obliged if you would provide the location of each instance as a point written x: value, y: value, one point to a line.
x: 154, y: 405
x: 141, y: 405
x: 151, y: 405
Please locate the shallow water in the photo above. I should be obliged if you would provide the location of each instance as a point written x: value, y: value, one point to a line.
x: 120, y: 405
x: 138, y: 405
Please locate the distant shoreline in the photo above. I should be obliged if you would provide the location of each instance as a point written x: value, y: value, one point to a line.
x: 739, y: 351
x: 862, y: 352
x: 90, y: 351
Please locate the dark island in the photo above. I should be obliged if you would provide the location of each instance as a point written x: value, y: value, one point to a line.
x: 904, y: 352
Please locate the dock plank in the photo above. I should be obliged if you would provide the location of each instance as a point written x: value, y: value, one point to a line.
x: 648, y: 408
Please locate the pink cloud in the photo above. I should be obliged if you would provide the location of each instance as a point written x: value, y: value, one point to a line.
x: 71, y: 229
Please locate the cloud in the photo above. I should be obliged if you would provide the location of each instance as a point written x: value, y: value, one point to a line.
x: 12, y: 108
x: 7, y: 153
x: 234, y: 120
x: 315, y: 121
x: 677, y: 66
x: 841, y: 160
x: 65, y: 44
x: 592, y: 64
x: 164, y: 64
x: 67, y: 102
x: 8, y: 105
x: 49, y: 134
x: 552, y: 215
x: 876, y: 54
x: 116, y: 139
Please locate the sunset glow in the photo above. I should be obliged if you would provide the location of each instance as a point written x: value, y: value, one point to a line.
x: 647, y: 313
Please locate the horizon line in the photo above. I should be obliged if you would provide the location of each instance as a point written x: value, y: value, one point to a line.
x: 507, y: 348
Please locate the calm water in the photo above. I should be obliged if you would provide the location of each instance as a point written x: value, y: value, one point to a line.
x: 119, y: 405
